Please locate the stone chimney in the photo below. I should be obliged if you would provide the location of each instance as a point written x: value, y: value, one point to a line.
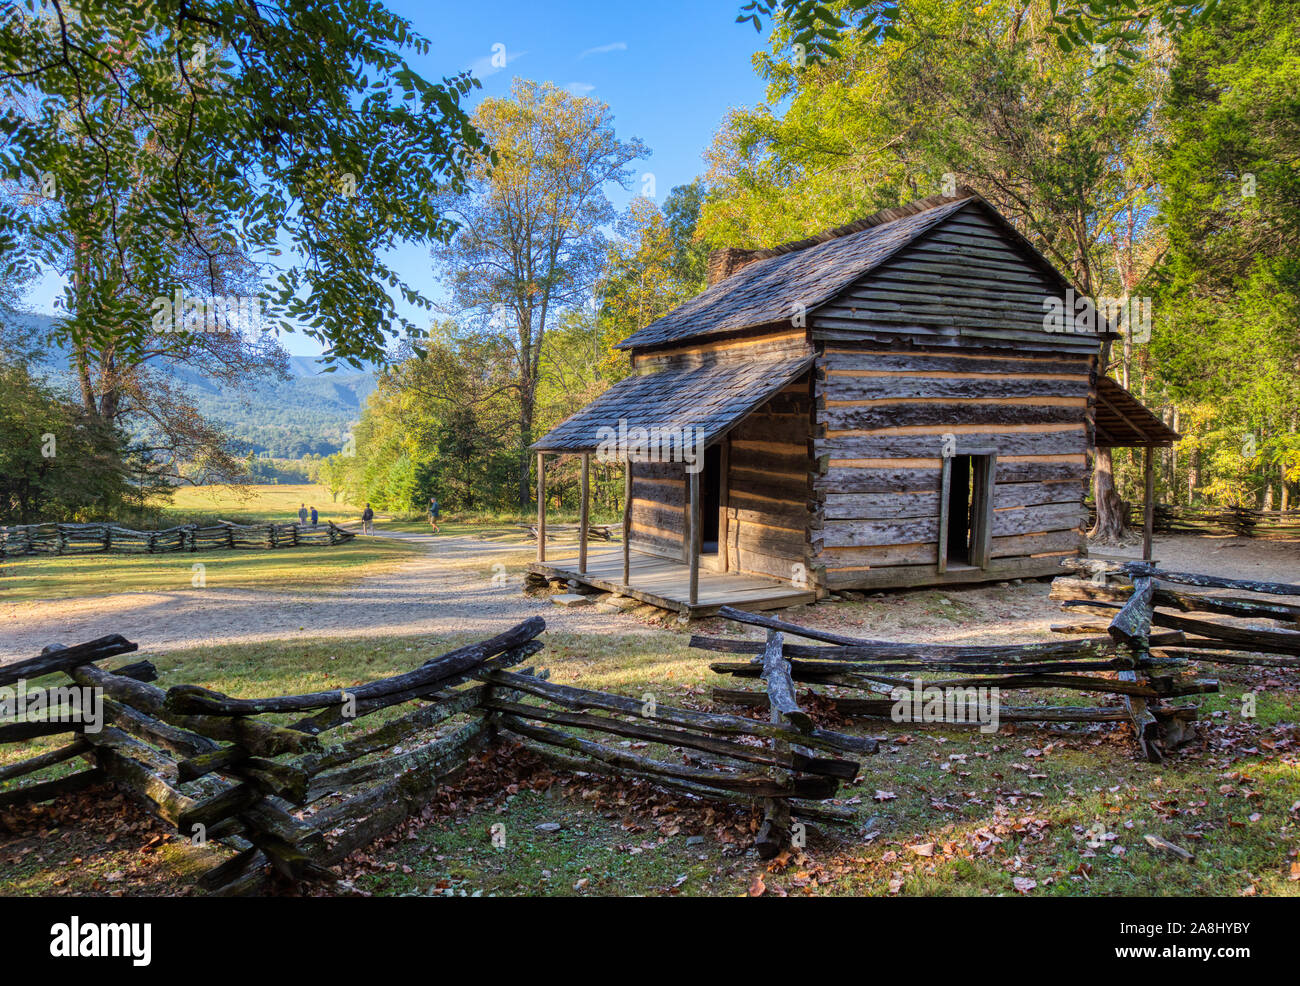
x: 725, y: 262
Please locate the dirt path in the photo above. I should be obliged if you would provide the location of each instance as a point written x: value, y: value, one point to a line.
x: 452, y: 590
x: 1231, y: 557
x: 445, y: 591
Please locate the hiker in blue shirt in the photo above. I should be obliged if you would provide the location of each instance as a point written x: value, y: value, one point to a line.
x: 434, y: 510
x: 313, y: 516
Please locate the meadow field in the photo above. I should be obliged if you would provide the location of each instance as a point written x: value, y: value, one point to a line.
x: 62, y: 577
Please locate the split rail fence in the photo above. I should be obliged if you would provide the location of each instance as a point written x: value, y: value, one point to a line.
x: 293, y: 784
x: 1219, y: 624
x: 1143, y: 680
x: 80, y: 539
x: 1241, y: 521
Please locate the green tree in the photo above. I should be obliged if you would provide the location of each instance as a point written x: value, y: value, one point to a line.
x: 530, y: 242
x: 145, y: 132
x: 821, y: 29
x: 1230, y: 342
x: 56, y: 462
x: 334, y: 475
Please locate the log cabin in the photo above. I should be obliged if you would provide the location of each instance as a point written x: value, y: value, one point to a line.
x: 886, y: 404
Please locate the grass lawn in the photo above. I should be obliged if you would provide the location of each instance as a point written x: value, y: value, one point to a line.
x: 944, y: 811
x: 260, y: 505
x: 51, y: 577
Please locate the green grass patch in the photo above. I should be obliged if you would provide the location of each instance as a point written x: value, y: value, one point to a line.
x: 62, y: 577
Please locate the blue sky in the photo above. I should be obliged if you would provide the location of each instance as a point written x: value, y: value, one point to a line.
x: 669, y: 70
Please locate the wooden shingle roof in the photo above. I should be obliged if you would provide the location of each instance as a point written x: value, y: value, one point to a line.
x: 805, y: 273
x: 1124, y: 422
x: 709, y: 396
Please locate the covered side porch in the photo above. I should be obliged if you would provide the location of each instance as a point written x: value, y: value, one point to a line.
x: 699, y: 403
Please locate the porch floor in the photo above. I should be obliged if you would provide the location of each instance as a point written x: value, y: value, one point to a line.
x: 666, y: 583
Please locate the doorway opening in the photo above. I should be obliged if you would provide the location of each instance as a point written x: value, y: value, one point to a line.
x: 710, y: 499
x: 966, y: 512
x: 958, y: 507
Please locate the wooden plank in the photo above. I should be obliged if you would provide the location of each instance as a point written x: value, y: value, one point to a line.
x: 1148, y: 503
x: 868, y: 533
x: 921, y: 575
x: 1038, y: 519
x: 1035, y: 494
x: 913, y: 413
x: 885, y: 446
x: 583, y: 513
x: 627, y: 520
x: 842, y: 479
x: 881, y: 506
x: 1137, y: 569
x: 945, y: 491
x: 1036, y: 544
x: 665, y: 583
x: 693, y: 555
x: 912, y: 362
x: 982, y: 514
x: 858, y: 387
x: 541, y: 506
x: 1042, y: 470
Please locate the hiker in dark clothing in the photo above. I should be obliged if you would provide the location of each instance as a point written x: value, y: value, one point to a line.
x: 367, y: 520
x: 313, y: 517
x: 434, y: 510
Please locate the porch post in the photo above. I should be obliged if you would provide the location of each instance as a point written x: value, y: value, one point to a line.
x: 627, y: 521
x: 541, y: 506
x: 1148, y: 502
x: 693, y: 553
x: 582, y: 514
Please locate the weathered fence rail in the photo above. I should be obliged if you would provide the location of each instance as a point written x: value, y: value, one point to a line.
x: 1241, y: 521
x: 871, y: 668
x: 295, y: 783
x: 77, y: 539
x: 1218, y: 628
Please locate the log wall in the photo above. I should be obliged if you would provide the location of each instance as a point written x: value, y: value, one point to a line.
x: 769, y: 487
x: 947, y: 339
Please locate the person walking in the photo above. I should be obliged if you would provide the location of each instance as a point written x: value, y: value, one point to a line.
x: 367, y: 520
x: 434, y: 511
x: 302, y: 513
x: 314, y: 517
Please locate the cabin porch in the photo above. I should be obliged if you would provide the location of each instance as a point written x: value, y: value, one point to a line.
x: 667, y: 583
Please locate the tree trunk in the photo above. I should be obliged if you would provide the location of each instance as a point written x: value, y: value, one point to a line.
x: 525, y: 439
x: 1110, y: 526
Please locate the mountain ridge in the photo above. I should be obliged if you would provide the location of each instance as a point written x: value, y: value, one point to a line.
x: 311, y: 413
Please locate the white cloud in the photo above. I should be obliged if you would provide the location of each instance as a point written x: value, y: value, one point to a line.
x: 605, y: 49
x: 579, y: 88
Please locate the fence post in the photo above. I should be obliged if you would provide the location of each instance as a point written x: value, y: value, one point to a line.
x: 1132, y: 627
x: 774, y: 835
